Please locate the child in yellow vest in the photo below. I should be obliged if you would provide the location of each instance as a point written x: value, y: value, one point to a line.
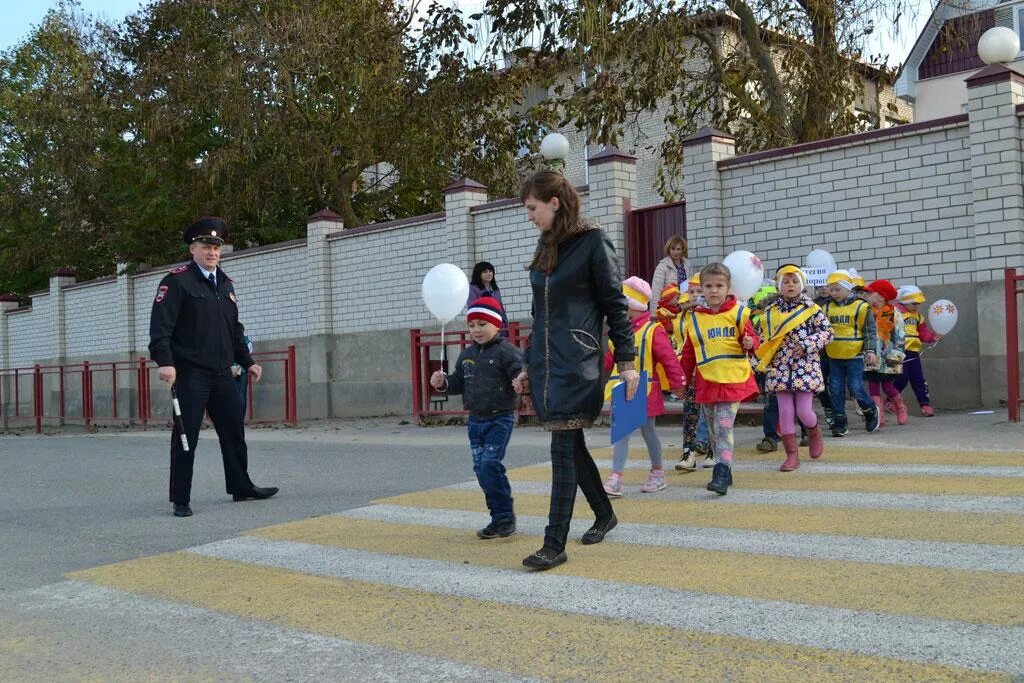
x: 695, y: 429
x: 794, y: 330
x: 653, y: 352
x: 917, y: 334
x: 890, y: 332
x: 719, y: 338
x: 853, y: 343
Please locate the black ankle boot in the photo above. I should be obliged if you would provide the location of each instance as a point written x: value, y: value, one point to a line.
x: 721, y: 478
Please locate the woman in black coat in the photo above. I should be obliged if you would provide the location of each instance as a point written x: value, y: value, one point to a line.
x: 576, y: 287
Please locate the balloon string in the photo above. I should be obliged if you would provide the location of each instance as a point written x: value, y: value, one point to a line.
x: 443, y: 354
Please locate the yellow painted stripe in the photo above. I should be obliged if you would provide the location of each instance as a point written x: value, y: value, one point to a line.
x: 518, y: 640
x: 852, y: 454
x: 980, y: 597
x: 917, y: 525
x: 805, y: 480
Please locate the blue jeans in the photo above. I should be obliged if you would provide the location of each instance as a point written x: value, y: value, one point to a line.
x: 843, y: 373
x: 488, y: 439
x: 702, y: 429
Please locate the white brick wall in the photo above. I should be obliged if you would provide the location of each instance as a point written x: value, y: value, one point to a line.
x: 91, y: 319
x: 30, y: 338
x: 897, y: 207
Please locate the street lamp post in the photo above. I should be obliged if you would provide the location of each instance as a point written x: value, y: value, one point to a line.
x: 555, y: 148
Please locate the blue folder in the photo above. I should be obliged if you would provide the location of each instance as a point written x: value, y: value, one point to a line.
x: 628, y: 416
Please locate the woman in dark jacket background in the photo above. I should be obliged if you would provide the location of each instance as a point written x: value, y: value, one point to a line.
x: 485, y: 283
x: 576, y: 287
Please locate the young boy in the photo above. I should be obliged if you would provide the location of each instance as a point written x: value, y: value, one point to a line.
x: 853, y: 325
x: 719, y: 339
x: 483, y: 375
x: 917, y: 333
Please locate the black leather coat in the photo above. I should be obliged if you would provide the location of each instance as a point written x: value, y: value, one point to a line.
x: 570, y: 305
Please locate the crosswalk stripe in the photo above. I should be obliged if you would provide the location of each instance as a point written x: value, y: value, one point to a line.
x: 961, y: 556
x: 709, y: 510
x: 850, y: 454
x: 917, y: 591
x: 164, y: 640
x: 801, y: 480
x: 826, y: 467
x: 416, y: 606
x: 884, y: 635
x: 1007, y: 505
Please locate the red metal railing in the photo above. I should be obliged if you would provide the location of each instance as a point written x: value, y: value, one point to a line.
x: 424, y: 363
x: 1013, y: 399
x: 92, y: 392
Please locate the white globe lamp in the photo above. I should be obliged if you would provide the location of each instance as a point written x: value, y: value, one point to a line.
x: 555, y: 148
x: 998, y: 45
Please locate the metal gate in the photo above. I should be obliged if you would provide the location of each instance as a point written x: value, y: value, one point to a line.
x: 647, y: 230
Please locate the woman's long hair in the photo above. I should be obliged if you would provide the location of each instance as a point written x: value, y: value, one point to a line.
x: 545, y: 185
x: 478, y: 271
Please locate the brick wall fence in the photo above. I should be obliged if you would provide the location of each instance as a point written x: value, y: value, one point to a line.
x: 939, y: 204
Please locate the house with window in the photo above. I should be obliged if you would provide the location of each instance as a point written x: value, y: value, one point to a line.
x: 946, y: 52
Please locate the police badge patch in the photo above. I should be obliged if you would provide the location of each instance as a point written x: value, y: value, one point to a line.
x: 161, y: 293
x: 232, y: 297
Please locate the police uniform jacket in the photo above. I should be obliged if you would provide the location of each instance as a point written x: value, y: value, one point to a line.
x: 194, y: 325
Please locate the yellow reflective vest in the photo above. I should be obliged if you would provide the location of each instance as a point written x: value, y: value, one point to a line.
x: 911, y: 321
x: 848, y: 323
x: 643, y: 342
x: 721, y: 357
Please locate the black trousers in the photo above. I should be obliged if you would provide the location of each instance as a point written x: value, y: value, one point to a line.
x: 216, y: 393
x: 572, y: 466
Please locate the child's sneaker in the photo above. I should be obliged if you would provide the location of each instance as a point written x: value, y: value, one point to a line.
x: 499, y: 530
x: 872, y: 419
x: 709, y: 461
x: 613, y: 487
x: 927, y: 411
x: 655, y: 481
x: 768, y: 445
x: 687, y: 463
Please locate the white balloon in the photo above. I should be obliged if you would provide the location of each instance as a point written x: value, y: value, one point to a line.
x: 445, y: 290
x: 942, y: 315
x: 747, y: 273
x: 819, y: 258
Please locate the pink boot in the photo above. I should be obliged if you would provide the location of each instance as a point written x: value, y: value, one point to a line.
x: 901, y: 409
x: 927, y: 411
x: 815, y: 441
x: 881, y: 410
x: 792, y: 453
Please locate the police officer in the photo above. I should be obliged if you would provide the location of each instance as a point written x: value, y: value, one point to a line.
x: 195, y: 337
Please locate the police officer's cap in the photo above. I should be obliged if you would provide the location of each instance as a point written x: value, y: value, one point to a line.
x: 209, y: 229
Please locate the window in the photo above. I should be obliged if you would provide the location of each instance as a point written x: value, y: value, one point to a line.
x: 1018, y: 22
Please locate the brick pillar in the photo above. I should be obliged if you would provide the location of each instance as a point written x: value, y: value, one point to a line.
x: 125, y: 311
x: 459, y: 198
x: 60, y: 279
x: 702, y: 188
x: 996, y: 172
x: 612, y: 193
x: 993, y: 95
x: 8, y: 302
x: 316, y: 388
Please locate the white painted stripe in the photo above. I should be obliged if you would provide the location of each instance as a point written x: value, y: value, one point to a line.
x: 808, y: 466
x: 887, y: 635
x: 1008, y: 505
x: 83, y: 619
x: 964, y: 556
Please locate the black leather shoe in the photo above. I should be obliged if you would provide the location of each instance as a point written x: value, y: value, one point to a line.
x: 257, y: 493
x: 182, y: 510
x: 596, y: 533
x: 545, y: 558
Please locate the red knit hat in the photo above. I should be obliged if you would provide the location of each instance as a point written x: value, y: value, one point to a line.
x: 487, y: 309
x: 883, y: 287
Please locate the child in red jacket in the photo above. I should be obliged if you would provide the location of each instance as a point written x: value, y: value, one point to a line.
x: 653, y: 351
x: 719, y: 339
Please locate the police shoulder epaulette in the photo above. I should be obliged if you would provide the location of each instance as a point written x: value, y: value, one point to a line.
x: 178, y: 270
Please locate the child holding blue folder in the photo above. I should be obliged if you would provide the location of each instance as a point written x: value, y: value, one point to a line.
x: 654, y: 349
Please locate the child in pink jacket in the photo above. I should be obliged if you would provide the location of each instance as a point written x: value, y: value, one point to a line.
x: 653, y: 348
